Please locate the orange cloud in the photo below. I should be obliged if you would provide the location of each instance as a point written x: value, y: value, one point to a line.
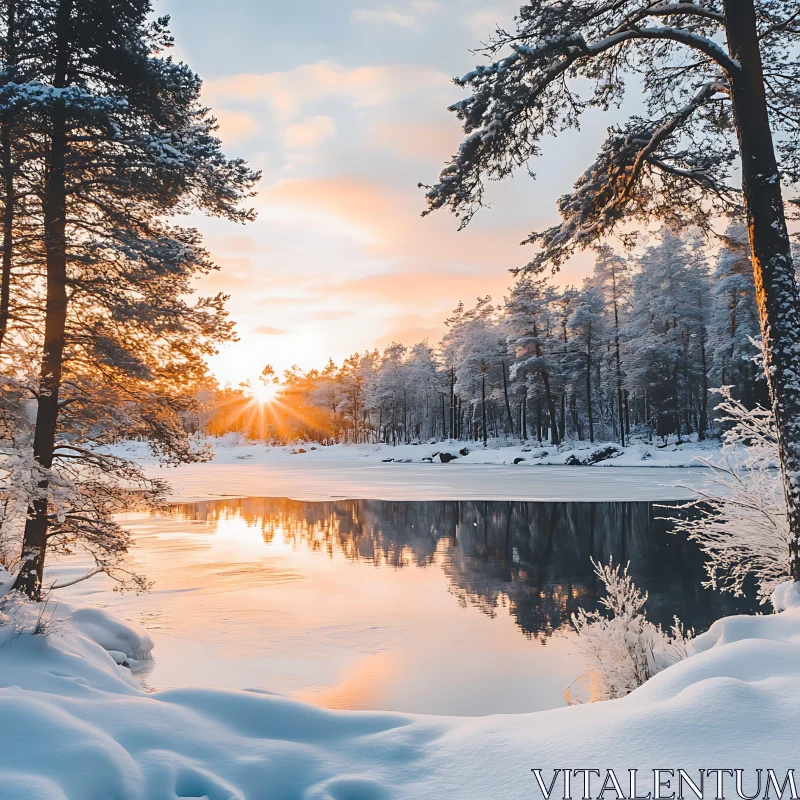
x: 417, y: 139
x: 268, y: 330
x: 235, y: 126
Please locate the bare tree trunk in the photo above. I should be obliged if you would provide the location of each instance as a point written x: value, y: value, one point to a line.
x: 525, y: 416
x: 452, y: 401
x: 505, y: 392
x: 54, y: 206
x: 589, y: 410
x: 618, y: 360
x: 702, y: 426
x: 483, y: 406
x: 776, y: 287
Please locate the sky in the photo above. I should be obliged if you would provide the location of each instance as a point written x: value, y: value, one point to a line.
x: 343, y: 106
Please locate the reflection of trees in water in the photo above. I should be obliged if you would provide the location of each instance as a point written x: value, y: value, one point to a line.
x: 533, y: 558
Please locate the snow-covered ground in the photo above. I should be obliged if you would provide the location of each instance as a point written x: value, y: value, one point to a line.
x: 416, y: 472
x: 76, y: 725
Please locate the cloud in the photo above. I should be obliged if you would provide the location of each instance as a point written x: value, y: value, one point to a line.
x: 235, y: 126
x: 484, y: 21
x: 288, y: 93
x: 417, y: 139
x: 268, y: 330
x: 327, y: 316
x: 309, y: 133
x: 387, y: 17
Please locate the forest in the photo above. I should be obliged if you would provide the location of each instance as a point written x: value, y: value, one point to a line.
x: 636, y: 349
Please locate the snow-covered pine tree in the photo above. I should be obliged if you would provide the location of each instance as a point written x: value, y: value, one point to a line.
x: 390, y: 393
x: 536, y: 343
x: 665, y: 333
x: 122, y: 142
x: 425, y: 386
x: 17, y: 81
x: 722, y: 82
x: 475, y: 345
x: 612, y: 277
x: 587, y: 325
x: 734, y: 325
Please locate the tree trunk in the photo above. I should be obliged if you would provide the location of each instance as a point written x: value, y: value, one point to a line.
x: 702, y: 426
x: 618, y: 360
x: 54, y: 206
x: 551, y: 407
x: 483, y: 406
x: 776, y: 287
x: 589, y: 411
x: 627, y: 414
x: 525, y: 417
x: 505, y: 392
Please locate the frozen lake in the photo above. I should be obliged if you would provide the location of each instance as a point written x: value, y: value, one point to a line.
x: 324, y: 476
x: 442, y: 607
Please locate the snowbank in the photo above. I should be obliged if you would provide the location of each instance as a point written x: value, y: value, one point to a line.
x: 416, y: 472
x: 77, y: 725
x: 639, y: 453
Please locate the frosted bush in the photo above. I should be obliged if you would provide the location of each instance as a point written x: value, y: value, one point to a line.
x: 625, y: 649
x: 742, y: 525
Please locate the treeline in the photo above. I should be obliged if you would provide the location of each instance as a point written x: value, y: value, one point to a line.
x: 636, y: 348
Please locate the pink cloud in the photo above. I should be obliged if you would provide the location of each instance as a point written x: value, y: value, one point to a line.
x: 309, y: 133
x: 269, y: 330
x: 287, y: 93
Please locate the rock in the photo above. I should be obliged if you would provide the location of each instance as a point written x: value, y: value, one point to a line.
x: 603, y: 454
x: 430, y: 460
x: 386, y: 460
x: 300, y: 450
x: 518, y: 460
x: 573, y: 461
x: 447, y: 457
x: 463, y: 451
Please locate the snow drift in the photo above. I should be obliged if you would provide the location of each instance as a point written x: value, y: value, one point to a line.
x: 78, y: 725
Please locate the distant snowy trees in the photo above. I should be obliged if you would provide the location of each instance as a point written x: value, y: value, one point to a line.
x: 634, y: 349
x: 103, y: 139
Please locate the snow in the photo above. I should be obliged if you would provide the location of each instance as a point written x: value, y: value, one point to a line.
x: 77, y: 725
x: 247, y: 468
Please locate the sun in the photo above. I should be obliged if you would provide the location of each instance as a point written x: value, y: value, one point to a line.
x: 264, y: 393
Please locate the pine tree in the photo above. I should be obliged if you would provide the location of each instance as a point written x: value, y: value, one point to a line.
x: 588, y: 330
x: 734, y: 326
x: 528, y: 310
x: 612, y: 277
x: 122, y: 142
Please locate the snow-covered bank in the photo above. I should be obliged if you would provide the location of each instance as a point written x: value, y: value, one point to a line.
x: 76, y: 725
x: 416, y: 472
